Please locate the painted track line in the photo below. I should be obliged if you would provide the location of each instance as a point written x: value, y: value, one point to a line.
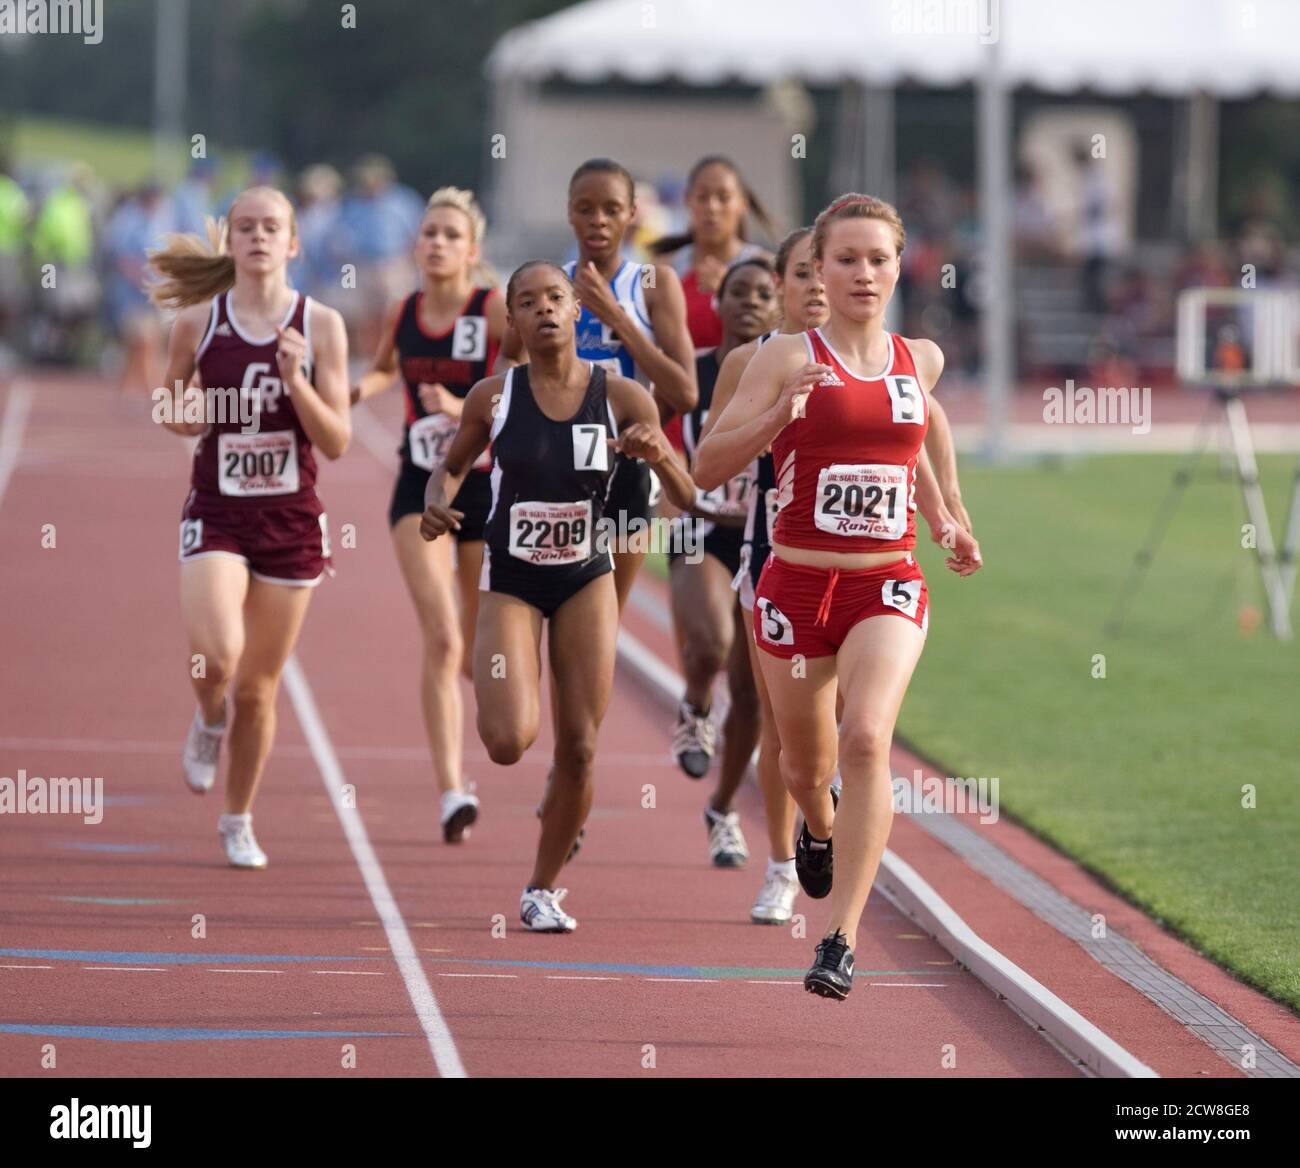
x: 17, y: 406
x: 903, y: 885
x: 407, y: 959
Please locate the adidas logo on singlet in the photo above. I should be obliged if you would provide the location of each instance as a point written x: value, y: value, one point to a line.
x: 222, y: 330
x: 830, y: 379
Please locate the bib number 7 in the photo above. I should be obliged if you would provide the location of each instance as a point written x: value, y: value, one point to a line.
x: 589, y: 449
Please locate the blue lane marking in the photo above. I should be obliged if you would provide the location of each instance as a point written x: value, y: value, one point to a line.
x: 120, y: 958
x: 181, y: 1034
x: 118, y: 900
x: 116, y: 848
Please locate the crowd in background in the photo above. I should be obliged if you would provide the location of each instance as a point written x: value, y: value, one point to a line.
x: 72, y: 262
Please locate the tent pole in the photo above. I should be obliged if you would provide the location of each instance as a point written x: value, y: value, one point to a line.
x: 997, y: 318
x: 1203, y: 165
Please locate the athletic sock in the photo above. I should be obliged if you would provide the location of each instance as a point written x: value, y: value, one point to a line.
x: 816, y: 845
x: 229, y: 822
x: 781, y: 868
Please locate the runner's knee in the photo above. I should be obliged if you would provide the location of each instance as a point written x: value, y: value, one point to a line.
x: 865, y: 743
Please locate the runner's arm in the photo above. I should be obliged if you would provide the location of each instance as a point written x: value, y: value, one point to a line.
x: 169, y: 398
x: 938, y: 439
x: 471, y: 439
x: 639, y: 436
x: 383, y: 370
x: 322, y: 403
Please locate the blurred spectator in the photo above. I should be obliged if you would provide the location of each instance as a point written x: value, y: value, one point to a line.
x: 192, y: 200
x: 63, y: 237
x: 379, y: 220
x: 14, y: 211
x: 138, y: 225
x: 318, y: 274
x: 1099, y: 229
x: 650, y: 222
x: 1036, y: 231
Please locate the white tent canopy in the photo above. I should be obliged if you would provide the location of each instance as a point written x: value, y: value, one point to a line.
x: 1229, y: 48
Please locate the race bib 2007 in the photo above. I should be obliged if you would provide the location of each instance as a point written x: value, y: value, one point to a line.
x: 863, y: 499
x: 551, y: 533
x: 254, y: 465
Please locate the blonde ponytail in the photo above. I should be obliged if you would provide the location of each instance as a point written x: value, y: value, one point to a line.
x: 481, y: 273
x: 191, y: 269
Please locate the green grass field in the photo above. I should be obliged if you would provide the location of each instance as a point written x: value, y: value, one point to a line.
x: 119, y: 156
x: 1137, y: 775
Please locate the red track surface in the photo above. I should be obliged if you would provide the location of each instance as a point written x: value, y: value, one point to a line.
x: 95, y: 684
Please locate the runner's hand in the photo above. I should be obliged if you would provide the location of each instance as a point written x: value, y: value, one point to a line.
x: 438, y: 519
x: 797, y: 387
x: 641, y: 440
x: 594, y: 293
x: 965, y: 559
x: 290, y: 354
x: 436, y: 398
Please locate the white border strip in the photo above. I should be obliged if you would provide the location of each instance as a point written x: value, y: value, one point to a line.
x: 902, y: 883
x: 399, y: 940
x: 1098, y: 1051
x: 17, y: 406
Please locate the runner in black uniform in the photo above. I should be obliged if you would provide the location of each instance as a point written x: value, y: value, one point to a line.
x: 710, y: 633
x: 633, y: 324
x: 555, y: 425
x: 441, y: 340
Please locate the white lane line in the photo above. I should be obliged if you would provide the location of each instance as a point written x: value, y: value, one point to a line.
x: 578, y: 977
x: 350, y: 972
x: 904, y: 886
x: 913, y: 985
x: 17, y: 406
x: 408, y: 961
x: 478, y: 975
x: 245, y: 970
x: 26, y: 967
x: 767, y: 982
x: 697, y: 980
x: 125, y: 968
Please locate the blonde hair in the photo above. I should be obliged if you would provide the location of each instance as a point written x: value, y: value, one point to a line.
x: 192, y: 270
x: 855, y: 206
x: 462, y: 200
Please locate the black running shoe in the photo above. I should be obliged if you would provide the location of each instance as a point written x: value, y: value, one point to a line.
x: 815, y: 866
x: 831, y: 975
x: 694, y: 740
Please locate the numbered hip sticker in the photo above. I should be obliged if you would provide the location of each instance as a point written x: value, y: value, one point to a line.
x: 469, y: 339
x: 775, y: 627
x: 324, y: 536
x: 903, y: 595
x: 191, y: 536
x: 906, y: 398
x: 589, y: 449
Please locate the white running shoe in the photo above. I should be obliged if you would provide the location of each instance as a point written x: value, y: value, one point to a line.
x: 727, y: 847
x: 241, y: 846
x: 202, y: 750
x: 694, y: 740
x: 837, y: 787
x: 539, y: 909
x: 775, y: 902
x: 459, y: 810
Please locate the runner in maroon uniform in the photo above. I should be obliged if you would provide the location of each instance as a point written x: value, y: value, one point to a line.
x: 442, y: 339
x: 271, y: 385
x: 841, y: 602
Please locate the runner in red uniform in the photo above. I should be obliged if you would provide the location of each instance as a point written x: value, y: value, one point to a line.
x: 271, y: 387
x: 717, y: 199
x: 845, y: 409
x: 442, y: 339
